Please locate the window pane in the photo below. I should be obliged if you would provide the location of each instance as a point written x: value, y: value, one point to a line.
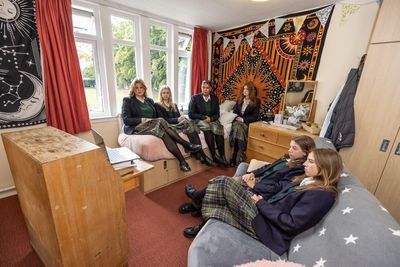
x: 158, y: 61
x: 184, y: 42
x: 87, y: 64
x: 158, y: 35
x: 183, y: 82
x: 83, y: 21
x: 122, y: 29
x: 125, y: 70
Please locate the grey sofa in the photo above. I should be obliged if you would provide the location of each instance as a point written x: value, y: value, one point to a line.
x: 357, y: 231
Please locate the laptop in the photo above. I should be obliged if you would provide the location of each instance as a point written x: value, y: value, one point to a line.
x: 114, y: 155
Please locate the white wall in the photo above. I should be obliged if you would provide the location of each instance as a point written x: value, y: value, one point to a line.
x: 345, y: 43
x: 347, y: 40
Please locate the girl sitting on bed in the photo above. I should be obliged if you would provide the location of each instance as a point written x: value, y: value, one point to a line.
x: 275, y: 211
x: 204, y: 111
x: 140, y: 117
x: 247, y: 108
x: 168, y: 110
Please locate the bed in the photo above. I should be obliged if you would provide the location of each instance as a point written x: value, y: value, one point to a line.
x: 166, y: 167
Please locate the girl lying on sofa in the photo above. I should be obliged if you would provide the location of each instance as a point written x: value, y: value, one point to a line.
x: 276, y: 210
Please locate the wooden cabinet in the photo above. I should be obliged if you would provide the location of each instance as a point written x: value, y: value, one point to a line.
x: 71, y: 198
x: 268, y: 143
x: 388, y: 23
x: 374, y: 158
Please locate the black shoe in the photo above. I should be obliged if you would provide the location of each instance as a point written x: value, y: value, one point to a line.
x: 191, y: 232
x: 196, y: 213
x: 193, y: 147
x: 184, y: 167
x: 221, y: 161
x: 190, y: 191
x: 206, y: 160
x: 232, y: 163
x: 188, y: 207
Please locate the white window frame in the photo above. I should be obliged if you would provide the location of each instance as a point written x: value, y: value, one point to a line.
x: 104, y: 54
x: 99, y: 61
x: 168, y: 49
x: 189, y: 74
x: 135, y: 44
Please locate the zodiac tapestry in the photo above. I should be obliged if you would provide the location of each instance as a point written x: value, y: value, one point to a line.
x: 21, y: 87
x: 269, y: 53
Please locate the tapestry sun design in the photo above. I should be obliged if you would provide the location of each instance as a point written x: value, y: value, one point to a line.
x: 269, y: 53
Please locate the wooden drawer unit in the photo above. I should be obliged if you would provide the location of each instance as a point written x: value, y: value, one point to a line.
x: 268, y: 143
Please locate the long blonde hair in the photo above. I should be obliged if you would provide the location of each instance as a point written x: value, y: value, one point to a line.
x: 133, y: 84
x: 170, y: 101
x: 330, y: 165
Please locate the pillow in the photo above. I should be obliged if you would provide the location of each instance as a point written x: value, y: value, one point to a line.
x: 255, y: 164
x: 227, y: 105
x: 226, y: 117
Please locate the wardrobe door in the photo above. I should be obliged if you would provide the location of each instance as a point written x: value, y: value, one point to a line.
x: 377, y: 113
x: 388, y: 23
x: 389, y: 185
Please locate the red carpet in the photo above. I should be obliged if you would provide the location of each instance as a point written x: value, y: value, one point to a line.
x: 154, y: 226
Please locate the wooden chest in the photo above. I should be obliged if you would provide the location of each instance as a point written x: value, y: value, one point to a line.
x: 268, y: 143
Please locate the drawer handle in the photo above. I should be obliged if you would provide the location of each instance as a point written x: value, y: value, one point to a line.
x: 261, y: 147
x: 397, y: 152
x: 384, y: 145
x: 263, y: 135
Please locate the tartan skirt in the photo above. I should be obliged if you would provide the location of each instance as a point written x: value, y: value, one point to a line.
x: 229, y: 201
x: 186, y: 126
x: 154, y: 127
x: 215, y: 127
x: 239, y: 131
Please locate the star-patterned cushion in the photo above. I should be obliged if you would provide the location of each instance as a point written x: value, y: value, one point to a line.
x: 357, y: 231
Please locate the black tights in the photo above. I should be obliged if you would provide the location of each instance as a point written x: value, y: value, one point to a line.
x: 170, y: 138
x: 211, y: 139
x: 195, y: 139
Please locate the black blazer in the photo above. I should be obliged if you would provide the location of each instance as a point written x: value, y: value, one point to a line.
x: 250, y: 114
x: 171, y: 118
x: 197, y: 108
x: 131, y: 114
x: 277, y: 223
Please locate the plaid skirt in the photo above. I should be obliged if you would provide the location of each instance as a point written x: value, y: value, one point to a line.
x: 228, y: 201
x: 186, y: 126
x: 239, y: 131
x: 215, y: 127
x: 154, y: 127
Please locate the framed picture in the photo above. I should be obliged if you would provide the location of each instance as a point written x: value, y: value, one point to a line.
x: 295, y: 87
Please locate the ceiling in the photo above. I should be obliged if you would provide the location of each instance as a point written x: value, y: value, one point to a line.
x: 218, y: 15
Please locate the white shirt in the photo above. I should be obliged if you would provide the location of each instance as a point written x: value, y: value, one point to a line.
x: 306, y: 181
x: 206, y: 99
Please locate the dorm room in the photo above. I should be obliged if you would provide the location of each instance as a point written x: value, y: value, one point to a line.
x: 66, y: 67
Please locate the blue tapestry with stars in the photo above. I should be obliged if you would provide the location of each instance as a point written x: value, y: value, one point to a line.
x: 269, y: 53
x: 21, y: 87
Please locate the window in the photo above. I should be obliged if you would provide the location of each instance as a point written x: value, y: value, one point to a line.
x: 87, y: 41
x: 124, y: 52
x: 184, y: 68
x: 112, y: 53
x: 159, y: 36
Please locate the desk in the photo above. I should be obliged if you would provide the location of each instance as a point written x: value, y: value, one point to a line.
x: 133, y: 176
x: 72, y: 199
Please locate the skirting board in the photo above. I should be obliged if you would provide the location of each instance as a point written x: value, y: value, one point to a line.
x: 9, y: 191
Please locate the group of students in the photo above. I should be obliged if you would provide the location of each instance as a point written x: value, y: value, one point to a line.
x: 273, y: 203
x: 142, y: 116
